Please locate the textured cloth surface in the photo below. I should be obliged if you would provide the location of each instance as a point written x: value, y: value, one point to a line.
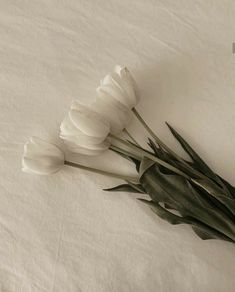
x: 62, y: 232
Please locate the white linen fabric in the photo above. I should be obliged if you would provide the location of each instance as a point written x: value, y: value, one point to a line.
x: 62, y: 232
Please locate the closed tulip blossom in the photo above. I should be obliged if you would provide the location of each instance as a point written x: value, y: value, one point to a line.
x: 116, y: 96
x: 178, y: 191
x: 41, y: 157
x: 119, y: 86
x: 114, y: 111
x: 84, y: 130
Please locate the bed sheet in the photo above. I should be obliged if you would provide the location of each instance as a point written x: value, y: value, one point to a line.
x: 62, y: 232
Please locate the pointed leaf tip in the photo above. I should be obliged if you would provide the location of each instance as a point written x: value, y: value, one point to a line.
x: 130, y: 188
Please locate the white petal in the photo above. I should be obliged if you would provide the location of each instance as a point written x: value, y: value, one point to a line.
x: 77, y: 105
x: 41, y: 157
x: 91, y: 151
x: 118, y: 69
x: 118, y: 91
x: 126, y: 86
x: 43, y: 165
x: 121, y: 85
x: 114, y: 92
x: 89, y: 122
x: 125, y: 74
x: 67, y: 128
x: 40, y: 146
x: 102, y: 93
x: 69, y: 132
x: 118, y: 116
x: 82, y: 139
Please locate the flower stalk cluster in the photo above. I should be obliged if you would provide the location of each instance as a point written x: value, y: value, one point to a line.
x: 89, y: 129
x: 202, y: 198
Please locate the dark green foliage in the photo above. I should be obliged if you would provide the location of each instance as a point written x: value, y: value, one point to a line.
x: 194, y: 156
x: 229, y: 187
x: 199, y: 163
x: 203, y: 231
x: 205, y: 201
x: 131, y: 188
x: 177, y: 192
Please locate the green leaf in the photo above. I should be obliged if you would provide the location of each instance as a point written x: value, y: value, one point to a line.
x: 168, y: 206
x: 229, y: 186
x: 178, y: 192
x: 170, y: 159
x: 212, y: 189
x: 157, y: 150
x: 160, y: 152
x: 202, y: 230
x: 201, y: 165
x: 127, y: 188
x: 195, y: 157
x: 163, y: 213
x: 206, y: 233
x: 138, y: 187
x: 202, y: 234
x: 145, y: 164
x: 138, y: 146
x: 121, y: 154
x: 167, y: 188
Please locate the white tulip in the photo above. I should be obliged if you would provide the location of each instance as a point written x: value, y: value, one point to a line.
x: 120, y: 86
x: 41, y: 157
x: 116, y: 113
x: 84, y: 130
x: 90, y: 150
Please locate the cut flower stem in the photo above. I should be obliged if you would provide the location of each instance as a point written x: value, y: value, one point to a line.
x: 143, y: 153
x: 131, y: 137
x: 159, y: 141
x: 102, y: 172
x: 125, y: 152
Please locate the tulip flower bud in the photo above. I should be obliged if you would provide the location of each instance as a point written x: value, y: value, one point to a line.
x: 114, y: 111
x: 84, y: 130
x: 41, y: 157
x: 121, y: 87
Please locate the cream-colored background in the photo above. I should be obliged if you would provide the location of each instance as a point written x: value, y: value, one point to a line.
x: 63, y: 233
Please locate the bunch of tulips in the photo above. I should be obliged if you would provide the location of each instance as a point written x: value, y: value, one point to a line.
x: 180, y: 191
x: 88, y: 129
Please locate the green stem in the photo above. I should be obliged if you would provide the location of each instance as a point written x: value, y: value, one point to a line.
x: 159, y: 141
x: 131, y: 137
x: 143, y: 153
x: 99, y: 171
x: 125, y: 152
